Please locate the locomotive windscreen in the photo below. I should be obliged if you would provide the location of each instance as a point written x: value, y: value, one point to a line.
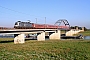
x: 16, y: 23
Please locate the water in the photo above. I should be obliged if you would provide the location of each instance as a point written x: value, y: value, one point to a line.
x: 6, y: 36
x: 86, y: 37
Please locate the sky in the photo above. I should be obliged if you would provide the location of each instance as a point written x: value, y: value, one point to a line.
x: 76, y: 12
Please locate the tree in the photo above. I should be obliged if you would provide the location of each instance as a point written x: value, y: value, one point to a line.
x: 85, y: 29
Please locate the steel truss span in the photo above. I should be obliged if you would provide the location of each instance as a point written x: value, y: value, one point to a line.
x: 66, y: 23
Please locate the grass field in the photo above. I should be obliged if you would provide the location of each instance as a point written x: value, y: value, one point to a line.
x: 45, y: 50
x: 85, y: 33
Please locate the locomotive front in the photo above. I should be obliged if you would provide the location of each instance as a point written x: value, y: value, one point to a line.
x: 17, y: 24
x: 24, y: 25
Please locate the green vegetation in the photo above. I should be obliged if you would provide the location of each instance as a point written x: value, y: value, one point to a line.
x: 85, y: 33
x: 45, y: 50
x: 62, y: 32
x: 6, y: 39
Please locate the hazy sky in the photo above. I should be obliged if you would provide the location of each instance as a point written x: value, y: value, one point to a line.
x: 77, y: 12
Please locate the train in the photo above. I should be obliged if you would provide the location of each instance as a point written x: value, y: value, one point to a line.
x: 29, y: 25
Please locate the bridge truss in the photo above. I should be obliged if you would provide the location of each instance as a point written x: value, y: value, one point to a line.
x: 66, y: 23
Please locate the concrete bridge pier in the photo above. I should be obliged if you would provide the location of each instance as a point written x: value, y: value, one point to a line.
x: 54, y: 35
x: 41, y: 36
x: 19, y: 38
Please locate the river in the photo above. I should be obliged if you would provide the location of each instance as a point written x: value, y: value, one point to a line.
x: 85, y: 37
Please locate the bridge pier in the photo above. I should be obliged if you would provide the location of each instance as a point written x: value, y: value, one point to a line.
x: 19, y: 38
x: 41, y: 36
x: 54, y: 35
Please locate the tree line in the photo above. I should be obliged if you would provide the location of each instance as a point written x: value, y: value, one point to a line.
x: 74, y: 27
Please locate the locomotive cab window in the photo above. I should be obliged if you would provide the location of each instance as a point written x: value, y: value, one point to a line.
x: 16, y: 23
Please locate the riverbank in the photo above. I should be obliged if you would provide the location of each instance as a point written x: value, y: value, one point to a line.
x: 49, y: 49
x: 85, y: 33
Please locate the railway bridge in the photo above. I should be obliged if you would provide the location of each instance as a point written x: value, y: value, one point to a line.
x: 20, y: 33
